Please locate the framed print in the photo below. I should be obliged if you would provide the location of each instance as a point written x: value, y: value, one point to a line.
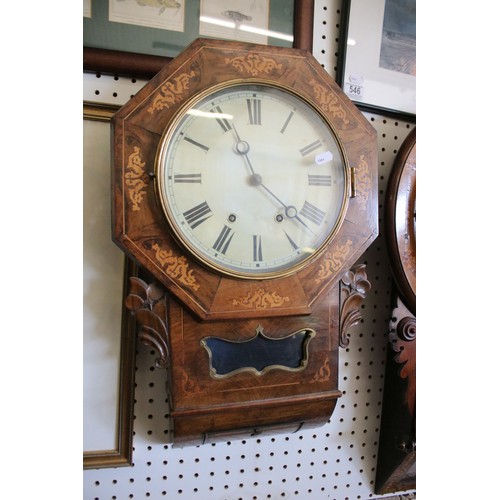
x: 164, y: 28
x: 243, y: 21
x: 133, y: 45
x: 377, y: 55
x: 108, y: 328
x: 167, y: 14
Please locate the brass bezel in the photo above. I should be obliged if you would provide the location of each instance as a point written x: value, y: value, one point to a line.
x: 178, y: 235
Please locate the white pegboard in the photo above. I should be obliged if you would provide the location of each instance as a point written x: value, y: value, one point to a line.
x: 326, y: 32
x: 106, y: 89
x: 336, y: 461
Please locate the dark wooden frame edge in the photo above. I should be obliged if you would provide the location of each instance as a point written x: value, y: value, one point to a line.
x: 393, y: 232
x: 146, y: 66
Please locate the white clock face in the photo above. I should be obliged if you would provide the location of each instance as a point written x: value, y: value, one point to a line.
x: 252, y: 181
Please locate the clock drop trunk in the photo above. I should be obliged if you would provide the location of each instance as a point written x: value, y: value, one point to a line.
x: 275, y: 395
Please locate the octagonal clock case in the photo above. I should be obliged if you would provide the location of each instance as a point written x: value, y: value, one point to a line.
x: 244, y: 184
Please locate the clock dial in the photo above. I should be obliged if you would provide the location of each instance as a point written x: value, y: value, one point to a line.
x: 252, y: 180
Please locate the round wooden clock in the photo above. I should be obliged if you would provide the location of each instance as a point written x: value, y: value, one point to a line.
x: 245, y: 184
x: 401, y: 212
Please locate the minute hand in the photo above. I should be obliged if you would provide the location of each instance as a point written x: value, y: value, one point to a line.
x: 242, y: 148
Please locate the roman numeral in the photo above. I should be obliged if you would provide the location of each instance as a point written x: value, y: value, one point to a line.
x: 287, y: 121
x: 195, y: 143
x: 312, y: 213
x: 320, y: 180
x: 191, y: 178
x: 222, y: 242
x: 310, y: 148
x: 198, y: 214
x: 257, y: 248
x: 254, y: 114
x: 223, y: 122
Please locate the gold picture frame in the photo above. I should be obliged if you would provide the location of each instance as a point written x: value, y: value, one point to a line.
x: 109, y: 339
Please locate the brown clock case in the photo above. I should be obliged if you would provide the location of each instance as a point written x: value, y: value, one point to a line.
x: 243, y: 355
x: 396, y: 469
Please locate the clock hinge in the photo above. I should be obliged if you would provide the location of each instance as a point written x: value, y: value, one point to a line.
x: 353, y: 181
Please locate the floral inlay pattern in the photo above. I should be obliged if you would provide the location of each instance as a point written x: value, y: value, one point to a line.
x: 328, y: 101
x: 176, y: 267
x: 363, y: 182
x: 253, y: 64
x: 172, y: 93
x: 324, y: 373
x: 136, y: 178
x: 332, y: 261
x: 261, y: 299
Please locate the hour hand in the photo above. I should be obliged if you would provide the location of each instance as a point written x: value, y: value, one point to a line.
x: 292, y: 213
x: 242, y: 148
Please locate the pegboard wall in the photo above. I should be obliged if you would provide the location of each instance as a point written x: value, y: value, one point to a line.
x: 335, y: 461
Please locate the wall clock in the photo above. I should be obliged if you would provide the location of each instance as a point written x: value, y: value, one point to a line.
x: 401, y: 220
x: 245, y: 186
x: 396, y: 470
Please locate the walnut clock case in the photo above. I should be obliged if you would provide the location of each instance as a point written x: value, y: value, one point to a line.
x: 245, y: 185
x: 396, y: 470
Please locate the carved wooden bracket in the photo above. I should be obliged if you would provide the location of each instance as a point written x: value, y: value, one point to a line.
x: 402, y: 337
x: 148, y: 303
x: 354, y: 287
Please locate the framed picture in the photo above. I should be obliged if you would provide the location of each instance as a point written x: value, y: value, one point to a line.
x: 377, y: 56
x: 140, y: 37
x: 108, y: 327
